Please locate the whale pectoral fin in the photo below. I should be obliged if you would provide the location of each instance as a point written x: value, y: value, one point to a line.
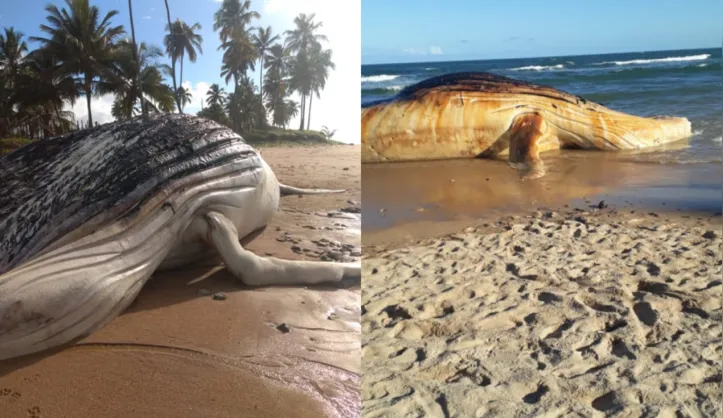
x: 269, y: 271
x: 527, y: 132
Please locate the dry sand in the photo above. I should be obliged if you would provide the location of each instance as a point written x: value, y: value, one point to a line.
x: 268, y: 352
x: 585, y: 313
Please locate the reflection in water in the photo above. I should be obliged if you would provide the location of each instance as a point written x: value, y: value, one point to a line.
x: 397, y: 193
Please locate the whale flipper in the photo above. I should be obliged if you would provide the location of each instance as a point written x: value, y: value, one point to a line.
x: 528, y: 132
x: 270, y: 271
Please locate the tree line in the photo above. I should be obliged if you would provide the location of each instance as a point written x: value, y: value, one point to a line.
x: 82, y: 53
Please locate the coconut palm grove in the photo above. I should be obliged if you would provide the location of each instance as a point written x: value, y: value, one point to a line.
x: 81, y: 53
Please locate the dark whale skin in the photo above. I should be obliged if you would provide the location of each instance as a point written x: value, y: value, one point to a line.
x: 51, y: 187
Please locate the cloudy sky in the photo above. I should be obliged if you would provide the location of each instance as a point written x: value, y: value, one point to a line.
x: 338, y: 107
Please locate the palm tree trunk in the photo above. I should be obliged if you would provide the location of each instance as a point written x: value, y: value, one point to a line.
x: 261, y: 79
x: 308, y: 122
x: 135, y: 57
x: 173, y: 61
x: 303, y: 104
x: 87, y: 89
x: 181, y: 80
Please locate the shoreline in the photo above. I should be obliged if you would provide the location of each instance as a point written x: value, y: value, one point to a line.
x: 581, y: 312
x: 424, y: 199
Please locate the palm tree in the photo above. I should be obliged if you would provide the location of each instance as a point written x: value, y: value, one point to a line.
x: 184, y: 97
x: 12, y: 50
x: 289, y: 110
x: 127, y: 83
x: 277, y: 60
x: 181, y: 40
x: 263, y: 40
x: 34, y: 106
x: 300, y: 40
x: 82, y: 42
x: 303, y: 36
x: 276, y: 83
x: 239, y: 56
x: 215, y: 95
x: 232, y: 18
x: 300, y: 80
x: 244, y: 107
x: 173, y: 62
x: 328, y: 133
x: 320, y: 65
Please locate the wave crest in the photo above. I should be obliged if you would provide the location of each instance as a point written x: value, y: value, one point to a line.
x: 539, y: 67
x: 379, y: 78
x: 698, y: 57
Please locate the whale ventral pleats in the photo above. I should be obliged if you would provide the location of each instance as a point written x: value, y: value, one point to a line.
x: 65, y: 181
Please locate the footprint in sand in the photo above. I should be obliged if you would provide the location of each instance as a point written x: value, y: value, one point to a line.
x: 645, y: 313
x: 34, y: 412
x: 534, y: 397
x: 608, y: 403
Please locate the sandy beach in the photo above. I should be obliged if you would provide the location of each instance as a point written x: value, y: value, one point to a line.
x: 197, y: 343
x: 572, y: 312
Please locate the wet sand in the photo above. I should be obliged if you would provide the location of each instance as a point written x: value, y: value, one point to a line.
x: 408, y: 199
x: 267, y: 352
x: 503, y: 299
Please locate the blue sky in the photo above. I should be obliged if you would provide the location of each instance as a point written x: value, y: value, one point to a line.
x: 434, y: 30
x: 338, y: 107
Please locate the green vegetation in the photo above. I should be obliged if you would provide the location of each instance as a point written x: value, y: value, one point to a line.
x: 9, y: 145
x: 285, y: 137
x: 82, y: 53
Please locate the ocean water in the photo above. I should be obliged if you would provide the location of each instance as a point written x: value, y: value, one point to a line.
x: 687, y: 83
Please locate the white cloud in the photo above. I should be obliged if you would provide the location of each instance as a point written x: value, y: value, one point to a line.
x: 198, y: 94
x: 146, y: 17
x: 412, y: 51
x: 340, y: 105
x: 433, y: 50
x: 100, y: 106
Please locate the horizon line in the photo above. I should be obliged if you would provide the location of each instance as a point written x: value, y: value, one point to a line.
x: 539, y: 56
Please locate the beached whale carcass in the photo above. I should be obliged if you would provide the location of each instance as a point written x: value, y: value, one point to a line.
x: 476, y: 114
x: 86, y: 218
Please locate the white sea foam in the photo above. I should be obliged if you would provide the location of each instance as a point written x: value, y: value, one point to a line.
x: 430, y: 69
x: 379, y: 78
x: 718, y: 139
x: 655, y: 60
x: 539, y: 68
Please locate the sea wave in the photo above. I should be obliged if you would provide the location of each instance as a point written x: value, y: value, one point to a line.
x: 718, y: 139
x: 539, y: 67
x: 379, y: 78
x: 698, y: 57
x: 630, y: 73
